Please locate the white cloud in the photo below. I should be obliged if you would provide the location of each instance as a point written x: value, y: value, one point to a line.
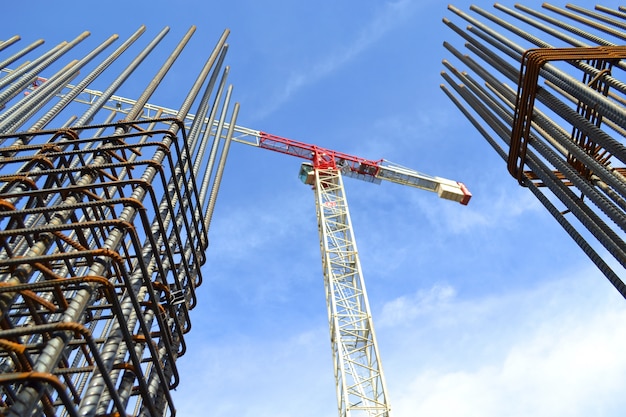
x: 555, y: 372
x: 246, y: 375
x: 244, y: 229
x: 554, y: 350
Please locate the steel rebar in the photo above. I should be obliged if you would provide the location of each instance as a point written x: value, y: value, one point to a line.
x: 102, y: 240
x: 570, y: 118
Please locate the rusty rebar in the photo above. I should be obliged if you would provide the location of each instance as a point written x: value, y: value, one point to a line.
x: 103, y: 224
x: 562, y: 130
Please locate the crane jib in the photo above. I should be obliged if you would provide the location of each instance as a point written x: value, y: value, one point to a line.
x: 361, y: 168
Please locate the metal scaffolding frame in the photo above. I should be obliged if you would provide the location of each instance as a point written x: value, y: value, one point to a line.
x: 104, y: 226
x: 545, y: 88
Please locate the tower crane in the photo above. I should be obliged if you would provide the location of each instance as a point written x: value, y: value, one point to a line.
x: 360, y: 383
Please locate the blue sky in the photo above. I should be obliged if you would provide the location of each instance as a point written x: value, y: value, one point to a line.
x: 487, y: 310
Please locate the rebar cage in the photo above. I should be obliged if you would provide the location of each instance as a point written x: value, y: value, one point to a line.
x: 103, y: 231
x: 545, y: 88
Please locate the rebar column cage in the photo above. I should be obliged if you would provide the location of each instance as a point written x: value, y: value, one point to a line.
x: 104, y: 227
x: 545, y: 89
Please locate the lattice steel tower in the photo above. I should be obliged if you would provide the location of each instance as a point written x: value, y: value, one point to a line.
x: 105, y: 204
x: 546, y: 89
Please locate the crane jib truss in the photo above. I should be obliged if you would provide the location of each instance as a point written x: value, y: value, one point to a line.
x: 356, y: 167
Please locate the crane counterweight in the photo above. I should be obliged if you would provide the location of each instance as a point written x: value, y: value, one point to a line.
x: 455, y: 192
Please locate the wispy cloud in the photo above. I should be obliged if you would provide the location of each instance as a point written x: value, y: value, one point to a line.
x: 407, y: 308
x: 489, y: 208
x: 260, y: 227
x: 390, y: 15
x: 250, y: 376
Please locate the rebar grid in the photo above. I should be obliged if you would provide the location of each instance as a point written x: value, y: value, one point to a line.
x: 545, y: 88
x: 104, y: 229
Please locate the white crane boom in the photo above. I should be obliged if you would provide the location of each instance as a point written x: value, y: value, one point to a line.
x: 448, y: 189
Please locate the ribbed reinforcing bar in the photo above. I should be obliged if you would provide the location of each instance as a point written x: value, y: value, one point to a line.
x: 545, y: 87
x: 104, y: 205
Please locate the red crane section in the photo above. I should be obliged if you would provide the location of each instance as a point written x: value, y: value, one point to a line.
x: 320, y: 157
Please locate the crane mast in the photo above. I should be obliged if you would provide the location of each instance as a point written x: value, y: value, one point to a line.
x: 359, y: 379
